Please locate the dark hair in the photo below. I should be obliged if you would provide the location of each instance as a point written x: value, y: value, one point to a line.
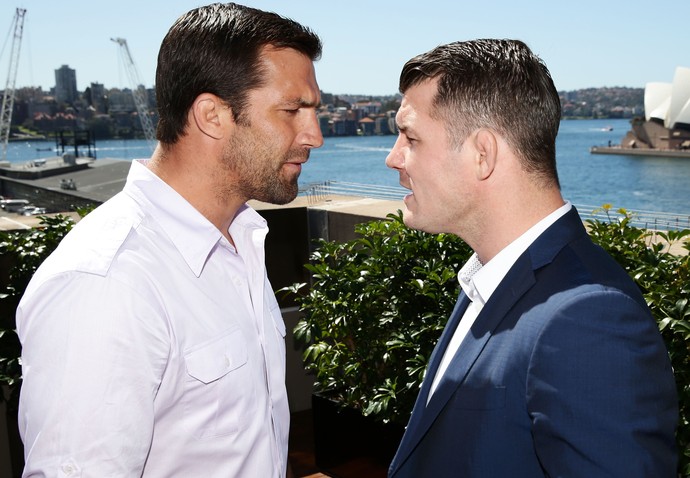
x: 216, y: 49
x: 497, y: 84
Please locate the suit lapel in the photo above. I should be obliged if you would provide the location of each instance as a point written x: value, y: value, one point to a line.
x: 410, y: 437
x: 519, y: 280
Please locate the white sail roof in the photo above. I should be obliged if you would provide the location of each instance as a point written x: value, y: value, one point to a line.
x: 679, y: 110
x: 657, y: 99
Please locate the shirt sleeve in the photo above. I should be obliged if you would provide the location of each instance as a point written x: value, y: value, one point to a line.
x: 94, y: 351
x: 601, y: 392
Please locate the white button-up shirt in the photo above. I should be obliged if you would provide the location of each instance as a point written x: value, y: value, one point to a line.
x: 152, y: 347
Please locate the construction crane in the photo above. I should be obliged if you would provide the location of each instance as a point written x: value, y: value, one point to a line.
x: 8, y: 96
x: 139, y: 94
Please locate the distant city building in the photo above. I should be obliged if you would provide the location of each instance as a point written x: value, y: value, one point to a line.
x: 66, y: 84
x: 121, y: 101
x: 325, y: 125
x: 362, y: 109
x: 344, y: 127
x: 327, y: 98
x: 392, y: 125
x: 382, y: 125
x: 367, y: 126
x: 98, y: 97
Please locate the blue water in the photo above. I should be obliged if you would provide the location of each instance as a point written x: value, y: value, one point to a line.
x: 631, y: 182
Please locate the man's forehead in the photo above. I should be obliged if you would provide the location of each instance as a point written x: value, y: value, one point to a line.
x: 412, y: 108
x: 404, y: 112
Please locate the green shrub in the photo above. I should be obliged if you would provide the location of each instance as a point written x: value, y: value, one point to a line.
x: 377, y: 305
x: 375, y: 309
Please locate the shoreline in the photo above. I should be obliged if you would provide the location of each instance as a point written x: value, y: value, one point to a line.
x: 668, y: 153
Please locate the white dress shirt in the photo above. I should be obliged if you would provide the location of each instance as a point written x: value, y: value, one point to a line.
x: 479, y: 281
x: 152, y: 347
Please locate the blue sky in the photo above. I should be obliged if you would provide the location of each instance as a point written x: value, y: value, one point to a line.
x: 585, y: 43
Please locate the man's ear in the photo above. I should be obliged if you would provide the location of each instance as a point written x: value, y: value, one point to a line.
x: 486, y: 148
x: 211, y: 115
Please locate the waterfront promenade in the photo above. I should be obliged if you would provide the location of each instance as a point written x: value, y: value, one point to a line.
x: 666, y: 153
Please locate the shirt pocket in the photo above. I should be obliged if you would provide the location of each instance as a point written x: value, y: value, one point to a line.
x: 219, y: 392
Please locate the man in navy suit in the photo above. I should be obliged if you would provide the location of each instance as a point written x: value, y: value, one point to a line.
x: 551, y: 363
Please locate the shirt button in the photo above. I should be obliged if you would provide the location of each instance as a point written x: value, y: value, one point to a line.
x: 68, y: 469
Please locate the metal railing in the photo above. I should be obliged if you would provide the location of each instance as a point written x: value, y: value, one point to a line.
x: 320, y: 191
x: 317, y: 192
x: 643, y: 219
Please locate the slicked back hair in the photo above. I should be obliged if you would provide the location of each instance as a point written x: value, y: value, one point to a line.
x: 496, y: 84
x: 216, y: 49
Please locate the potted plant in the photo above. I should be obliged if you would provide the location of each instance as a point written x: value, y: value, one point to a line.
x: 374, y: 310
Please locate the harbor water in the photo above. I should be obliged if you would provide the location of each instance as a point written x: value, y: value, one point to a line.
x: 636, y: 183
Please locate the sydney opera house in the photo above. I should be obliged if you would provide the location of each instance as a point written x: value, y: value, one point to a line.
x: 666, y: 125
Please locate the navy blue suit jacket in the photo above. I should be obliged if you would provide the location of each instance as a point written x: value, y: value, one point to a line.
x: 563, y: 374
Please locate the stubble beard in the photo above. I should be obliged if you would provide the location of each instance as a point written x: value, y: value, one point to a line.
x: 257, y: 170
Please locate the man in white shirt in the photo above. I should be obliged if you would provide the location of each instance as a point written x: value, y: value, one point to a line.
x: 152, y: 342
x: 551, y: 363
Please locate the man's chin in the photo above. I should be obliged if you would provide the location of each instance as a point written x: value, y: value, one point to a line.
x: 283, y: 200
x: 284, y: 194
x: 409, y: 218
x: 414, y: 220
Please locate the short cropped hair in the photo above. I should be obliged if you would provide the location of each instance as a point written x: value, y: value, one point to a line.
x: 216, y: 49
x: 495, y: 84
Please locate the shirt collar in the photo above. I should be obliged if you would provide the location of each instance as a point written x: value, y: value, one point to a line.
x: 192, y: 234
x: 479, y: 281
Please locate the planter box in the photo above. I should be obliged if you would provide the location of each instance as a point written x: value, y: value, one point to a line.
x: 346, y: 442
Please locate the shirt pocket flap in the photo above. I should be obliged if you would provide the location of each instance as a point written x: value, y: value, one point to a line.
x: 211, y: 360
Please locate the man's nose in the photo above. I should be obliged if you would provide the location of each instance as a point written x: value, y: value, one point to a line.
x: 395, y: 159
x: 312, y: 136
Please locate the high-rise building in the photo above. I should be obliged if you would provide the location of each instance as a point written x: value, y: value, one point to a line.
x: 65, y: 84
x: 98, y: 97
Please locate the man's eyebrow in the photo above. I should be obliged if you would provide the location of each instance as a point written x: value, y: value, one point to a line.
x: 403, y: 127
x: 303, y: 103
x: 402, y: 122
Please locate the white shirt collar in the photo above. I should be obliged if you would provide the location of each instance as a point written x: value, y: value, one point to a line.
x: 193, y: 235
x: 479, y: 281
